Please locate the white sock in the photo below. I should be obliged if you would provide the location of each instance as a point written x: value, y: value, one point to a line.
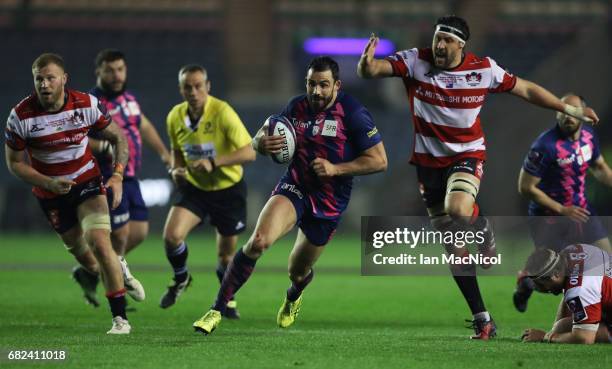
x: 482, y: 316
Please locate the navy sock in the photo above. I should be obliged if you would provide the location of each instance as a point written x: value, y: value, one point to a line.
x: 238, y: 272
x: 468, y: 285
x: 220, y: 271
x: 117, y: 303
x: 178, y: 259
x: 294, y: 292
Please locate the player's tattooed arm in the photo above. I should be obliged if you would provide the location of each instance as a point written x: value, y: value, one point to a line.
x: 115, y: 136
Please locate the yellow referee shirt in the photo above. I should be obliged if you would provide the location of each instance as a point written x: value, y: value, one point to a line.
x: 219, y: 132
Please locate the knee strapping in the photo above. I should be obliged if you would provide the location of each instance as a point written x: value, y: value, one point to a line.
x: 463, y: 185
x: 96, y: 221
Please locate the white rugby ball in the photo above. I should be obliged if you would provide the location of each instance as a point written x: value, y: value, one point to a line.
x: 279, y: 125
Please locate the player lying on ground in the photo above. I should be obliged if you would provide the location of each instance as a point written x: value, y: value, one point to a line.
x: 583, y: 274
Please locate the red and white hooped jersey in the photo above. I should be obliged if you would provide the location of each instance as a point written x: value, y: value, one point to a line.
x: 445, y: 104
x: 57, y: 142
x: 588, y: 288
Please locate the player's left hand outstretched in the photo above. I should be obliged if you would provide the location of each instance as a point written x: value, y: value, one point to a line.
x: 533, y: 335
x: 370, y: 48
x: 115, y: 183
x: 323, y: 168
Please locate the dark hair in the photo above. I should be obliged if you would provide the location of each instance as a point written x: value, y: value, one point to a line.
x: 108, y: 55
x: 324, y: 63
x: 541, y: 260
x: 48, y: 58
x: 456, y: 22
x: 192, y: 68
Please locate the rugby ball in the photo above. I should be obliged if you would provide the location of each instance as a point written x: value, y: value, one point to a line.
x: 279, y: 125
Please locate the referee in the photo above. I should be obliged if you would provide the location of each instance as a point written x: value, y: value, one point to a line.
x: 209, y: 143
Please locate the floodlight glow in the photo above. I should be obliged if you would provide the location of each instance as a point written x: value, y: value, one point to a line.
x: 345, y: 46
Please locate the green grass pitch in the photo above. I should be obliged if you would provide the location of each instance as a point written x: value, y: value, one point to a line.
x: 347, y: 321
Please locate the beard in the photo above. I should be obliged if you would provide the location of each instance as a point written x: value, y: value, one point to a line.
x: 50, y: 98
x: 319, y: 103
x: 443, y: 60
x: 109, y: 90
x: 570, y: 130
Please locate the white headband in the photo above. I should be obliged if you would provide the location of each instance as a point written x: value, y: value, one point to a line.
x: 450, y: 31
x: 549, y: 268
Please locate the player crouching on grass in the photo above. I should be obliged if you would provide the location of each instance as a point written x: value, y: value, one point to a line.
x: 583, y: 273
x: 52, y: 126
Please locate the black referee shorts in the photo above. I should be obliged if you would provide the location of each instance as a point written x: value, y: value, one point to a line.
x: 226, y: 208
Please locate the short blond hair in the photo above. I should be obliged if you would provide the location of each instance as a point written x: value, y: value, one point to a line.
x: 48, y: 58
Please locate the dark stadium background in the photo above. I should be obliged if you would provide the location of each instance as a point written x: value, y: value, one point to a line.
x: 254, y: 56
x: 255, y: 59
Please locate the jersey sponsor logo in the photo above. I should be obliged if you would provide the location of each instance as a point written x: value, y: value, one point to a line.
x: 463, y: 166
x: 330, y: 128
x: 578, y: 311
x: 448, y: 80
x: 36, y: 128
x: 299, y: 124
x: 78, y: 118
x: 582, y: 155
x: 85, y: 191
x: 72, y: 139
x: 315, y: 130
x: 574, y: 277
x: 585, y: 154
x: 372, y: 132
x: 132, y: 108
x: 428, y: 94
x: 565, y: 161
x: 533, y: 160
x: 208, y: 127
x: 200, y: 151
x: 121, y: 218
x: 473, y: 79
x: 291, y: 188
